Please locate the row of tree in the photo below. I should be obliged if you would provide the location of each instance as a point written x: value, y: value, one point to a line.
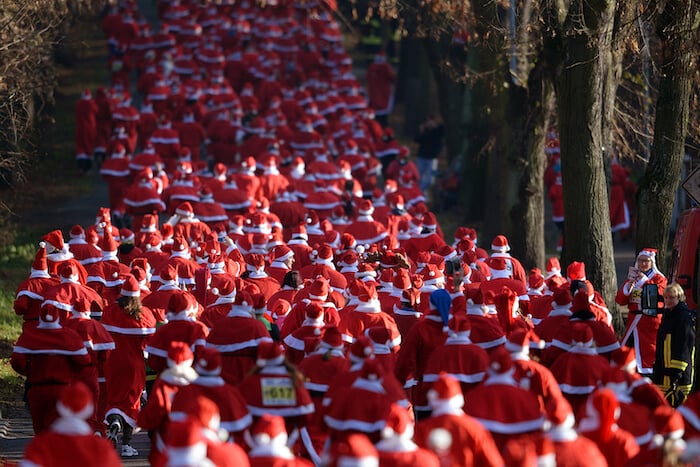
x: 505, y: 71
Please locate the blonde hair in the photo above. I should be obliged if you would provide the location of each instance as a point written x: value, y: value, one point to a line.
x: 676, y: 289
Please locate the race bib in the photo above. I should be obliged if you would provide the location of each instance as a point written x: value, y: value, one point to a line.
x: 635, y: 296
x: 277, y: 392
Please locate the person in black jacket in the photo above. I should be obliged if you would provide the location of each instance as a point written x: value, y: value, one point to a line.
x: 675, y: 343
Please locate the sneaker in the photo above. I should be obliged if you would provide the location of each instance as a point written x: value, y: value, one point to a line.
x: 113, y: 432
x: 128, y: 451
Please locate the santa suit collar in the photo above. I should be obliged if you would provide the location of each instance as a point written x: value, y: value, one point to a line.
x: 181, y: 254
x: 562, y: 433
x: 297, y: 241
x: 257, y: 275
x: 77, y: 241
x: 522, y: 355
x: 272, y: 449
x: 367, y: 218
x: 582, y: 348
x: 316, y: 323
x: 475, y: 309
x: 169, y: 285
x: 560, y: 310
x: 59, y: 255
x: 209, y: 381
x: 179, y: 316
x: 39, y: 274
x: 178, y: 376
x: 279, y: 265
x: 445, y: 407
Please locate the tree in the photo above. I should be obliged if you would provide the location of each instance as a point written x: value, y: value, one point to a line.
x: 677, y: 27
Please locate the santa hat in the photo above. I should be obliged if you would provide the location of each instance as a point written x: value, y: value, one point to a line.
x: 75, y: 401
x: 499, y: 268
x: 365, y: 208
x: 179, y: 355
x: 126, y: 236
x: 668, y: 424
x: 576, y: 271
x: 332, y: 339
x: 268, y: 430
x: 535, y: 279
x: 361, y: 349
x: 519, y: 340
x: 432, y: 275
x: 602, y: 413
x: 299, y: 232
x: 581, y: 337
x: 380, y: 337
x: 54, y: 239
x: 208, y: 361
x: 507, y: 306
x: 130, y: 287
x: 68, y: 272
x: 356, y: 450
x: 401, y: 279
x: 49, y: 317
x: 181, y: 303
x: 108, y: 245
x: 319, y: 288
x: 225, y: 286
x: 562, y: 297
x: 552, y: 268
x: 324, y: 254
x: 446, y: 391
x: 185, y: 444
x: 185, y: 209
x: 168, y: 273
x: 40, y: 267
x: 648, y: 253
x: 180, y: 245
x: 269, y: 353
x: 279, y: 308
x: 77, y: 231
x: 460, y: 326
x: 500, y: 362
x: 581, y: 302
x: 440, y: 303
x: 625, y: 359
x: 199, y: 408
x: 429, y: 222
x: 314, y: 311
x: 500, y: 244
x: 561, y: 419
x: 398, y: 423
x: 282, y: 253
x: 243, y: 302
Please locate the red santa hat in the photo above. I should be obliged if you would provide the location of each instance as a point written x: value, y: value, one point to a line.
x: 299, y: 232
x: 446, y: 391
x: 624, y: 358
x: 507, y: 305
x: 68, y: 272
x: 535, y: 279
x: 243, y: 301
x: 398, y: 423
x: 269, y: 354
x: 200, y: 409
x: 576, y: 271
x: 75, y: 401
x: 77, y: 231
x: 648, y: 253
x: 430, y: 222
x: 49, y: 317
x: 168, y: 273
x: 279, y: 308
x: 185, y: 209
x: 361, y: 349
x: 401, y: 279
x: 602, y: 413
x: 179, y: 355
x: 282, y: 253
x: 319, y: 288
x: 225, y: 286
x: 668, y: 424
x: 185, y: 444
x: 355, y: 450
x: 500, y: 244
x: 180, y: 245
x: 40, y: 267
x: 332, y: 339
x: 54, y: 239
x: 460, y: 326
x: 552, y: 268
x: 208, y: 361
x: 314, y: 311
x: 581, y: 336
x: 181, y: 303
x: 149, y: 223
x: 432, y: 275
x: 108, y: 245
x: 580, y: 302
x: 380, y: 337
x: 498, y: 267
x: 501, y: 361
x: 562, y: 296
x: 130, y: 287
x: 519, y: 341
x: 269, y: 429
x: 561, y: 419
x: 365, y: 208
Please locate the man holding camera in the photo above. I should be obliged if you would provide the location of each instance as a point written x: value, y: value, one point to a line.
x: 643, y: 319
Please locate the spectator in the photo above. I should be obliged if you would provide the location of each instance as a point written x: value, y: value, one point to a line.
x: 430, y: 138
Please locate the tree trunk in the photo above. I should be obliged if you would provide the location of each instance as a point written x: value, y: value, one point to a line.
x: 415, y: 86
x: 587, y: 34
x: 528, y: 213
x: 657, y: 189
